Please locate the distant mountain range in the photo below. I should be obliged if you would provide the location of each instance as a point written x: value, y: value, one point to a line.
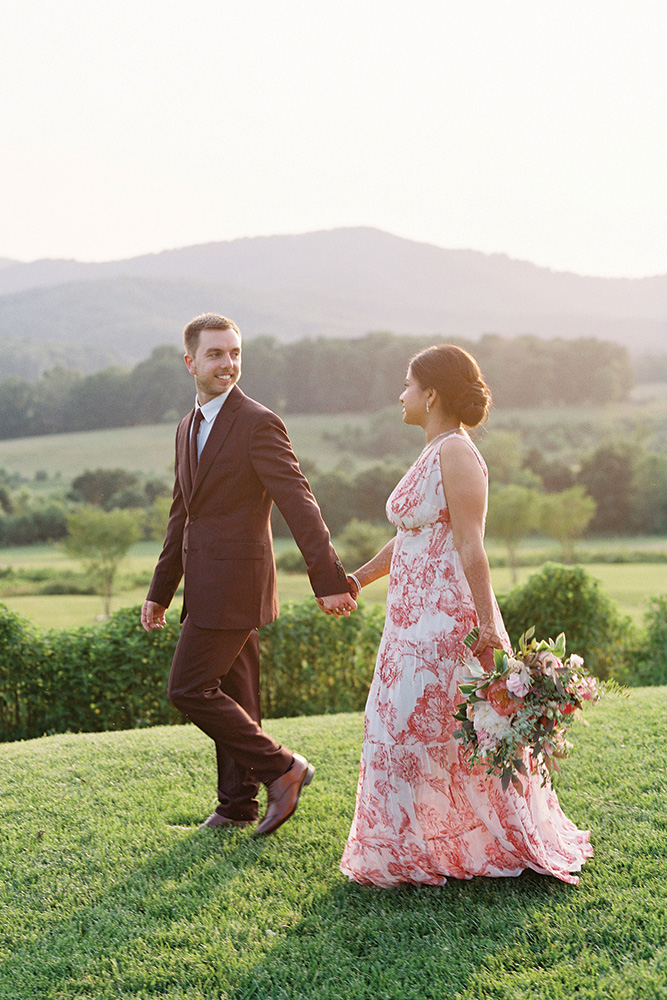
x: 338, y: 283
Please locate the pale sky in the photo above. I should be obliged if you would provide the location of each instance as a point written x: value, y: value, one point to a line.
x: 536, y: 128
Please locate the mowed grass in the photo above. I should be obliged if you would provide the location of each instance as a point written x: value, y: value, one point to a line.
x: 110, y: 890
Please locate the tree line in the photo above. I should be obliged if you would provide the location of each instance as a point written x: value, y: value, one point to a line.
x: 312, y: 376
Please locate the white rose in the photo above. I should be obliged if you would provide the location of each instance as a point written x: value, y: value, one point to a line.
x: 487, y: 720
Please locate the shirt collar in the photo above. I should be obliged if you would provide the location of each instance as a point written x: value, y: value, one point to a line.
x: 211, y: 409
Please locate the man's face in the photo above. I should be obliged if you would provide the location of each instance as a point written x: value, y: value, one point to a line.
x: 216, y: 364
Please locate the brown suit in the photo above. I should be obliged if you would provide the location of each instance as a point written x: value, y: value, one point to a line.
x: 219, y: 537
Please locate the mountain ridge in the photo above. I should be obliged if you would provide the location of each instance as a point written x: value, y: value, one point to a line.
x: 340, y: 282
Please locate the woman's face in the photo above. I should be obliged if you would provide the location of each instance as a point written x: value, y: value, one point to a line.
x: 413, y: 399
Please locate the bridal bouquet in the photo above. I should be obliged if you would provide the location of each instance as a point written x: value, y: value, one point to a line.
x: 515, y: 716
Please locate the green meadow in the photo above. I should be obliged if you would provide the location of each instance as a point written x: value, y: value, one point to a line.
x: 109, y: 889
x: 630, y: 585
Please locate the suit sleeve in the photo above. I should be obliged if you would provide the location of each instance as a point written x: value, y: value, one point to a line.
x: 277, y: 467
x: 169, y: 569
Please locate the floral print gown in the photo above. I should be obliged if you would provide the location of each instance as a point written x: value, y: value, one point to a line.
x: 421, y: 815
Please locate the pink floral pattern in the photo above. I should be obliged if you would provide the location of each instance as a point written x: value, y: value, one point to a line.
x: 421, y: 815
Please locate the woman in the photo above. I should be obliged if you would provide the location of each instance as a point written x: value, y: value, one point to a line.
x: 421, y: 814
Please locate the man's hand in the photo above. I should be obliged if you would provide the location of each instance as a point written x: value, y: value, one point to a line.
x: 152, y: 615
x: 337, y: 604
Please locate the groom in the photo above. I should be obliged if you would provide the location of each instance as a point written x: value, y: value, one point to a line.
x: 233, y: 460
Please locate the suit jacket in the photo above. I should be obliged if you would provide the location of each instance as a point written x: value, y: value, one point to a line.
x: 219, y: 532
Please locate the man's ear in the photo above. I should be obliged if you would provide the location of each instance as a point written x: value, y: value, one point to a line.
x: 189, y: 363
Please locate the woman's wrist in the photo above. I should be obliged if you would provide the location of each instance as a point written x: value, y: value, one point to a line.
x: 355, y: 580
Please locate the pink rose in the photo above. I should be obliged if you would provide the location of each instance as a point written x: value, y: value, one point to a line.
x: 518, y: 685
x: 501, y: 699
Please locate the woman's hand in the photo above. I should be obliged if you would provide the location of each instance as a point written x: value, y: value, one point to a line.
x: 337, y: 604
x: 488, y: 639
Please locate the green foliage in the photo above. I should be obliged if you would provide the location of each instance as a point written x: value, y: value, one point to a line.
x: 157, y: 517
x: 649, y: 493
x: 38, y: 521
x: 101, y: 539
x: 565, y: 517
x: 114, y: 676
x: 513, y: 513
x: 360, y: 541
x: 648, y: 664
x: 567, y: 599
x: 21, y: 663
x: 607, y: 474
x: 296, y: 378
x: 313, y: 663
x: 291, y: 561
x: 554, y: 474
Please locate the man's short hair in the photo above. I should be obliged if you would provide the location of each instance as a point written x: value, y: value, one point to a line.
x: 207, y: 321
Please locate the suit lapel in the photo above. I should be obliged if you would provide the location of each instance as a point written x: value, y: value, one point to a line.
x: 221, y: 428
x: 183, y: 453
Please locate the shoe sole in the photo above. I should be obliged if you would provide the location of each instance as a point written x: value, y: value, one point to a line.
x: 237, y: 824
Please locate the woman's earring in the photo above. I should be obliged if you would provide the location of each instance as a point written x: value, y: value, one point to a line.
x: 428, y: 406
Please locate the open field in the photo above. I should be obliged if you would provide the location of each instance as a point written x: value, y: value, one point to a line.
x: 111, y: 891
x: 628, y: 584
x: 150, y: 449
x: 147, y: 449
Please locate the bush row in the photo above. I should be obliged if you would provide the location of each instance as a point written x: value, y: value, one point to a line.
x: 115, y: 676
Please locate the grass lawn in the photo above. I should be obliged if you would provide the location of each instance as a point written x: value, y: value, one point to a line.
x: 149, y: 449
x: 109, y: 890
x: 628, y: 584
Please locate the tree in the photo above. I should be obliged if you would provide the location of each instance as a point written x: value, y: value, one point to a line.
x: 513, y: 514
x: 565, y: 517
x: 100, y: 540
x: 370, y: 490
x: 503, y: 454
x: 649, y: 490
x: 607, y: 475
x: 567, y: 599
x: 556, y: 475
x: 157, y: 517
x: 361, y: 540
x: 100, y: 485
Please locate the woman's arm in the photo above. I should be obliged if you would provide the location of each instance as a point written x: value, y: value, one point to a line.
x: 372, y: 570
x: 465, y: 491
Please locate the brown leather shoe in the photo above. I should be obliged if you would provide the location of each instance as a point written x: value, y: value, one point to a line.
x: 217, y: 820
x: 283, y: 794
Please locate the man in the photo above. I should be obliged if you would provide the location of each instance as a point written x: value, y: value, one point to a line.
x: 233, y: 460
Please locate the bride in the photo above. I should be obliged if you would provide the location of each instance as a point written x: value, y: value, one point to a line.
x: 421, y: 815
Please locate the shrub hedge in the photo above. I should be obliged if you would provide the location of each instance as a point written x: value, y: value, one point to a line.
x: 567, y: 599
x: 114, y: 676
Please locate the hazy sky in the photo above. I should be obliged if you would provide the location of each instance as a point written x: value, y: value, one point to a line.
x: 536, y: 128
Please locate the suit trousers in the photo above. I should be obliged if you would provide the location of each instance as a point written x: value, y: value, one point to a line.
x: 214, y: 682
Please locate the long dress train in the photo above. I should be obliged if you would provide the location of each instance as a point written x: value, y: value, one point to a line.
x: 421, y: 815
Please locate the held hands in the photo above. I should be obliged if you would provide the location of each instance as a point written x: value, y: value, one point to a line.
x: 152, y: 615
x: 337, y: 604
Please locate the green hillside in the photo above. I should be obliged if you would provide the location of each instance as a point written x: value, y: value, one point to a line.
x: 146, y: 449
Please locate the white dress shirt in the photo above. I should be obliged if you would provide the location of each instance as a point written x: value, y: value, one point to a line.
x: 209, y: 412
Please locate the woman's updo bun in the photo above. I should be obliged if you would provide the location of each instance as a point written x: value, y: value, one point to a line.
x: 456, y: 377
